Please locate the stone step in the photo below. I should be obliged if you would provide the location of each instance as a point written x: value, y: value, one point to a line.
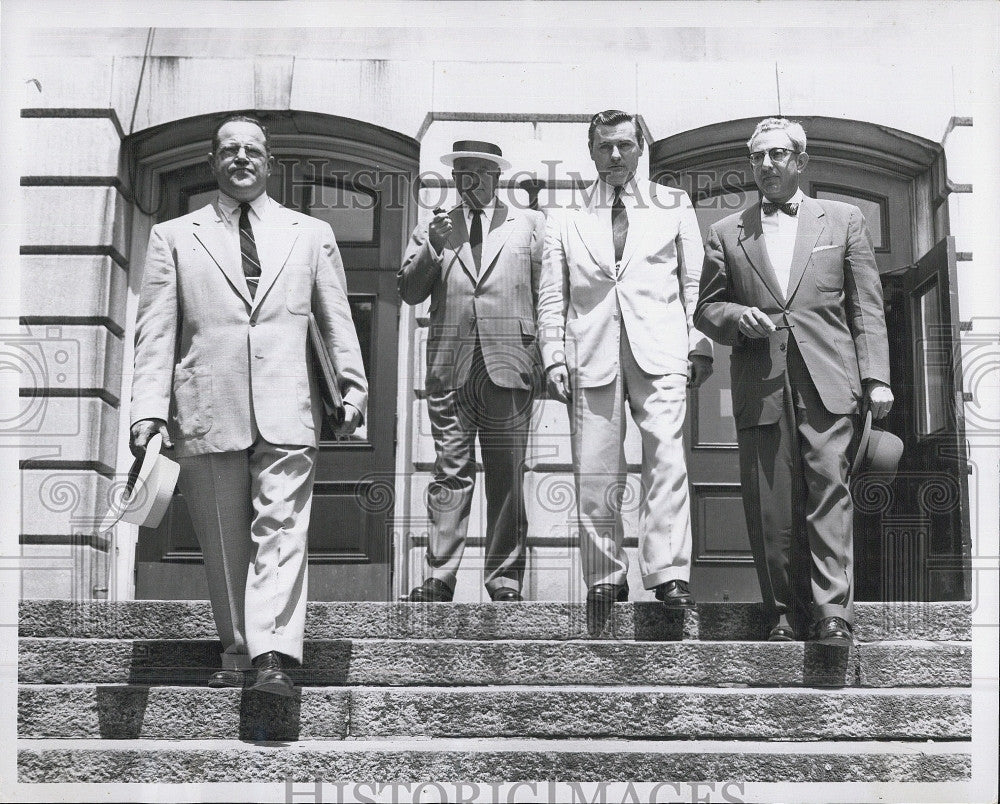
x: 382, y: 662
x: 495, y: 760
x: 131, y: 712
x: 155, y: 619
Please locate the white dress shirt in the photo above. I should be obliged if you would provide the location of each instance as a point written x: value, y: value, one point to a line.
x: 486, y: 220
x: 229, y: 211
x: 779, y: 239
x: 604, y: 200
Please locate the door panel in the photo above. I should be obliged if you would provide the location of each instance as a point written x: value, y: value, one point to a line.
x: 349, y: 534
x: 721, y: 562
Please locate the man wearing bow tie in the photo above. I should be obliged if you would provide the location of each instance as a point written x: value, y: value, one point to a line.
x: 792, y: 285
x: 479, y: 265
x: 619, y: 286
x: 221, y: 373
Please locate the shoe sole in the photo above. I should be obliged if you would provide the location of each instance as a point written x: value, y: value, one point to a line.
x: 274, y: 688
x: 835, y: 642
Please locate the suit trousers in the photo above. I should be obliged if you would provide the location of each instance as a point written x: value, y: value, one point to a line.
x: 800, y: 516
x: 597, y: 417
x: 250, y: 510
x: 500, y: 417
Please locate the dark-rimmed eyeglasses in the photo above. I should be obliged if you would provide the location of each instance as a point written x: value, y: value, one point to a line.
x: 778, y: 156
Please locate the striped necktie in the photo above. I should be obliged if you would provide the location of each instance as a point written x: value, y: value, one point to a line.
x: 248, y: 250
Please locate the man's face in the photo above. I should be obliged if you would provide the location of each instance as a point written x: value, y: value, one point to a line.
x: 616, y: 153
x: 241, y: 163
x: 778, y: 179
x: 476, y: 179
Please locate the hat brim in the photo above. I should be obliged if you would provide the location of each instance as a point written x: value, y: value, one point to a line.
x: 449, y: 159
x: 148, y: 491
x: 866, y: 435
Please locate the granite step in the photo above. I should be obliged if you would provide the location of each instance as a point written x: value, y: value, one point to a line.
x: 152, y: 619
x: 651, y: 713
x: 405, y: 662
x: 301, y: 765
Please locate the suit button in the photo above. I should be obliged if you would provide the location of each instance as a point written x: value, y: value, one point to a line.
x: 782, y: 347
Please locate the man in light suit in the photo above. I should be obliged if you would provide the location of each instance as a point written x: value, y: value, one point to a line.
x: 479, y: 264
x: 222, y: 372
x: 792, y: 285
x: 619, y: 283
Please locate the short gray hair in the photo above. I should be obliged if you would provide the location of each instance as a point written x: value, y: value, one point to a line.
x: 794, y: 130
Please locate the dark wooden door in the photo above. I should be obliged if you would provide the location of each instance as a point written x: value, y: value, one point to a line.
x: 349, y: 536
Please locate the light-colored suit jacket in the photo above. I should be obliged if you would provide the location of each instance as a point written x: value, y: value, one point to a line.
x: 497, y: 304
x: 834, y: 304
x: 205, y: 351
x: 654, y: 292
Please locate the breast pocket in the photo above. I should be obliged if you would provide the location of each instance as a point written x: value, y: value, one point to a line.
x: 827, y: 268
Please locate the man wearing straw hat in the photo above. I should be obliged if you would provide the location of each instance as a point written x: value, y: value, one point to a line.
x: 222, y: 376
x: 792, y: 285
x: 478, y: 263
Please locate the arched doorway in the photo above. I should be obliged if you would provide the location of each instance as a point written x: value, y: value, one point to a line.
x: 359, y: 178
x: 912, y: 539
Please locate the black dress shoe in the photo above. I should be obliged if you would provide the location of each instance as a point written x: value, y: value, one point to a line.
x: 506, y: 595
x: 834, y: 631
x: 601, y: 598
x: 781, y: 631
x: 271, y: 678
x: 431, y: 591
x: 675, y: 595
x: 227, y: 679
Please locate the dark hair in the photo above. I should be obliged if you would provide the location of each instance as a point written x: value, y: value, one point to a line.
x: 239, y: 117
x: 612, y: 117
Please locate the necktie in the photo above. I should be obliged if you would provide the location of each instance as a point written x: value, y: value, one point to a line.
x: 789, y: 209
x: 619, y: 224
x: 476, y: 238
x: 248, y: 250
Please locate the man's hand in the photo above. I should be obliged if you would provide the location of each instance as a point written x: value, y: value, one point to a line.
x: 352, y: 418
x: 755, y: 323
x: 699, y: 369
x: 145, y: 429
x: 557, y: 379
x: 439, y: 230
x: 878, y: 398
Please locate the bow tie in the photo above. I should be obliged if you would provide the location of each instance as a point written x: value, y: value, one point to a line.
x: 769, y: 208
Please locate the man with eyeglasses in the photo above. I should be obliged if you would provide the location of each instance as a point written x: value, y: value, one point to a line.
x: 792, y: 285
x: 221, y: 374
x: 478, y: 263
x: 619, y: 286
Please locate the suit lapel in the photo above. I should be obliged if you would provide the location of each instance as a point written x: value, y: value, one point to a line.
x: 751, y: 240
x: 638, y: 226
x: 274, y: 244
x: 460, y: 235
x: 810, y: 228
x: 211, y: 232
x: 500, y: 231
x: 595, y: 235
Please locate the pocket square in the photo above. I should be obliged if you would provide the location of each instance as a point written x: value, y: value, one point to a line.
x: 824, y: 248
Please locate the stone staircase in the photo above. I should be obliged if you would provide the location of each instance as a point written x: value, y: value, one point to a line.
x: 114, y: 692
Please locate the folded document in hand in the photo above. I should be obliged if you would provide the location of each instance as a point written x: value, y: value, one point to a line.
x: 329, y: 387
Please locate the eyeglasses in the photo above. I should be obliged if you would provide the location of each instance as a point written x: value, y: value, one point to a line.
x: 253, y: 153
x: 778, y: 156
